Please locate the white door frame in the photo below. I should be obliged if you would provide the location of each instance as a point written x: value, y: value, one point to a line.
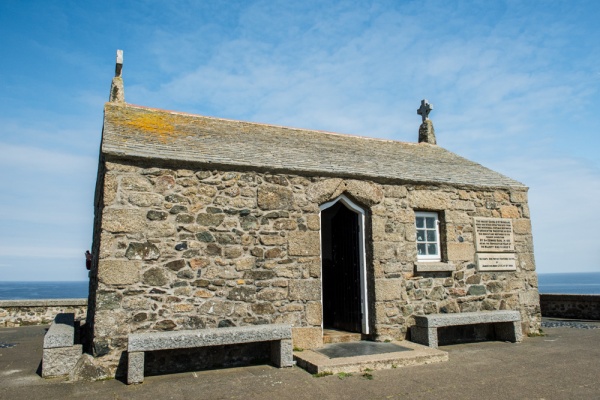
x: 361, y: 256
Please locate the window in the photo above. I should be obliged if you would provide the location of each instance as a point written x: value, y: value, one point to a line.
x: 428, y: 236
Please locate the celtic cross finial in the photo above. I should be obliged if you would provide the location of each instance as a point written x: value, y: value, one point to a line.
x: 425, y: 109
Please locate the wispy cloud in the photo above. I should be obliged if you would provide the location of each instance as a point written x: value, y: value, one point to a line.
x: 364, y: 70
x: 513, y: 85
x: 563, y: 195
x: 501, y: 90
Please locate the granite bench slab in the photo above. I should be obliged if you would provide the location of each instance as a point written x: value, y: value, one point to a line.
x: 280, y: 336
x: 507, y: 325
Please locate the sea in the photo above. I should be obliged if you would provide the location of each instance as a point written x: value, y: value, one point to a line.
x: 31, y: 290
x: 563, y: 283
x: 570, y: 283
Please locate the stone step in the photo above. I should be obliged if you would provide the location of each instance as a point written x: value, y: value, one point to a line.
x: 335, y: 336
x: 414, y: 354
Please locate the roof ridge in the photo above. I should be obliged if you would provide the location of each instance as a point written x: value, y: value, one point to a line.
x: 143, y: 132
x: 186, y: 114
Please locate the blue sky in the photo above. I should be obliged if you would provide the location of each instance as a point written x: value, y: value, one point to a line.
x: 515, y: 87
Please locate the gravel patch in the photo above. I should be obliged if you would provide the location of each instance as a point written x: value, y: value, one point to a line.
x: 569, y: 324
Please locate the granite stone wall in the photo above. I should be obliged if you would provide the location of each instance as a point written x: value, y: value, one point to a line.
x: 578, y: 306
x: 39, y: 312
x: 196, y: 248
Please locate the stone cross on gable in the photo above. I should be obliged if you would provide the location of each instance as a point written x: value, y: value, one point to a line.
x: 117, y: 90
x: 425, y: 109
x: 119, y: 64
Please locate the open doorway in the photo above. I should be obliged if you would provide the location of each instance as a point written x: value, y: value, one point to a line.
x: 343, y: 266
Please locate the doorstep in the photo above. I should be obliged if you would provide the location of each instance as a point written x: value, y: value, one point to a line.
x: 410, y: 354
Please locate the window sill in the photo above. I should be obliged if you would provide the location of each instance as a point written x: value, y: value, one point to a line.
x: 435, y: 266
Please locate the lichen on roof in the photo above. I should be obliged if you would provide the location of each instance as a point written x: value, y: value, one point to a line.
x: 146, y: 133
x: 161, y: 125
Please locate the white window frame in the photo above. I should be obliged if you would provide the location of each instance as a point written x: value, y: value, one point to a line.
x: 427, y: 257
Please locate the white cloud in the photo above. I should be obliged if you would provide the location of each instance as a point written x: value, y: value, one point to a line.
x: 363, y: 69
x: 512, y: 84
x: 563, y: 199
x: 503, y: 95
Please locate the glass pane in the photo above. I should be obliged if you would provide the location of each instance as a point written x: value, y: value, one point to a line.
x: 432, y: 249
x: 430, y: 221
x: 431, y: 236
x: 420, y: 222
x: 421, y: 249
x: 420, y: 236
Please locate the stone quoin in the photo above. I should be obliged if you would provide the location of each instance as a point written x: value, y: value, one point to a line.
x: 202, y: 222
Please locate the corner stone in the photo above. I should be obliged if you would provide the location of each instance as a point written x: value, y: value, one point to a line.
x: 119, y: 272
x: 124, y: 220
x: 529, y: 297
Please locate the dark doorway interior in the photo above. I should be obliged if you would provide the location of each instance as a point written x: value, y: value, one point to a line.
x: 341, y: 269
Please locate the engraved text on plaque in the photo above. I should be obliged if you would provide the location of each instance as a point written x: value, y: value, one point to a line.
x: 496, y: 262
x: 494, y: 235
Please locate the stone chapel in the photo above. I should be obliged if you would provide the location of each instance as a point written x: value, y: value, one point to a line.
x: 203, y: 222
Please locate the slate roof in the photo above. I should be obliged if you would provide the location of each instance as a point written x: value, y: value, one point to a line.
x: 145, y: 133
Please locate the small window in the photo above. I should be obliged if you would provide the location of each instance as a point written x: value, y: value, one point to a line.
x: 428, y: 236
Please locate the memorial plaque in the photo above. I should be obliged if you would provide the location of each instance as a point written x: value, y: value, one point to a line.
x: 494, y: 235
x: 496, y: 262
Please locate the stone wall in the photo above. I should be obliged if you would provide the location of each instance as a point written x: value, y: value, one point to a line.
x: 577, y: 306
x: 38, y: 312
x: 192, y: 249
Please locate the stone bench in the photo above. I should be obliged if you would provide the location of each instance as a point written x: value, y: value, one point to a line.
x: 280, y: 336
x: 507, y: 325
x: 60, y: 353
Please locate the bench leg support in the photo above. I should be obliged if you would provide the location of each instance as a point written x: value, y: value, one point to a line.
x: 425, y: 336
x: 282, y: 353
x: 509, y: 331
x: 135, y: 367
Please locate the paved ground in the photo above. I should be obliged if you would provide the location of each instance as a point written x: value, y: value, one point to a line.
x: 565, y: 364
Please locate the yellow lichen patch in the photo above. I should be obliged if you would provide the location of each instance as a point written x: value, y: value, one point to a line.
x: 162, y: 125
x: 158, y: 125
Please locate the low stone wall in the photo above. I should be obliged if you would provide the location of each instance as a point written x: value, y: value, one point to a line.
x: 39, y: 312
x: 578, y: 306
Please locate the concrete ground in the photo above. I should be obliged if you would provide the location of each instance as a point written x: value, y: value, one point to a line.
x: 565, y: 364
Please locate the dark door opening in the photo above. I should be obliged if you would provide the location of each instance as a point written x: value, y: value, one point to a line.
x: 341, y: 269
